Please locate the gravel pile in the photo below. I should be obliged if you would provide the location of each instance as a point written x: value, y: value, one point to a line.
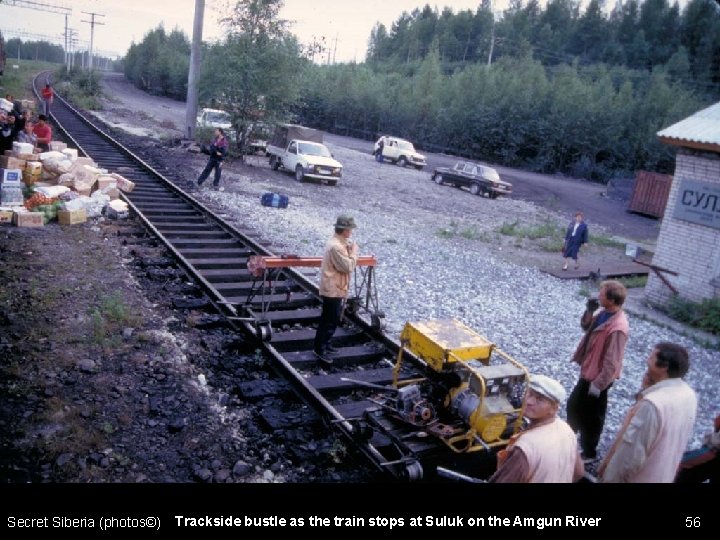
x: 424, y: 272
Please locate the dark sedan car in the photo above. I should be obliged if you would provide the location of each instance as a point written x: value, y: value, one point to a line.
x: 479, y: 179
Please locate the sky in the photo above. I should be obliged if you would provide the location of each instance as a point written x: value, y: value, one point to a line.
x: 345, y: 24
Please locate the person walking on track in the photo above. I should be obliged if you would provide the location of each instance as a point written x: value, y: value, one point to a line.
x: 218, y: 151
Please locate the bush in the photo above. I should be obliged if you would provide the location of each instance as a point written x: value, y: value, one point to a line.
x: 704, y: 315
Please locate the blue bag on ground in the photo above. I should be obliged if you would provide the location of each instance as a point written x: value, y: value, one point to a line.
x: 276, y: 200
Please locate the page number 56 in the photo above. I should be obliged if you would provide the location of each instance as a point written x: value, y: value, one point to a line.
x: 692, y: 521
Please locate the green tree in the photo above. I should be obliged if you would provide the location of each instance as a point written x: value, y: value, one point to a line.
x: 254, y: 73
x: 591, y: 33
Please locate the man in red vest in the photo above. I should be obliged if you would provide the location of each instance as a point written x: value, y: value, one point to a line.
x: 600, y: 355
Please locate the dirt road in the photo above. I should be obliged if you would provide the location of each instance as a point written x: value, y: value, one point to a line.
x: 144, y: 114
x: 561, y: 194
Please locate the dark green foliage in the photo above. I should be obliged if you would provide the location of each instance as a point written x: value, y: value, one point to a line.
x: 704, y: 315
x: 586, y: 122
x: 160, y: 63
x: 581, y: 93
x: 84, y: 90
x: 34, y: 50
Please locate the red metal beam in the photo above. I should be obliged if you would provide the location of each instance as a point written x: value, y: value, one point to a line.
x: 257, y: 263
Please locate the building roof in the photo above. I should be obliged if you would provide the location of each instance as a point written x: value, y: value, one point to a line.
x: 700, y: 131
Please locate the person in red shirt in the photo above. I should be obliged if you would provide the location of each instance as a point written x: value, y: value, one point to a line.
x: 43, y: 132
x: 48, y: 95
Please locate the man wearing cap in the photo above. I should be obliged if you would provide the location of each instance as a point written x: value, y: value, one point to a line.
x: 546, y: 452
x: 339, y: 260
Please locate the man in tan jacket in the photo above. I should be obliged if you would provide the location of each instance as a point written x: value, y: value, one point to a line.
x: 339, y: 261
x: 657, y: 428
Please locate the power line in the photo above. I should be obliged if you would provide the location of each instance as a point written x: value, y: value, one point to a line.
x: 40, y: 6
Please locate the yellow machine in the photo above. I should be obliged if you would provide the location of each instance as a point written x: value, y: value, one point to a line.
x: 484, y: 386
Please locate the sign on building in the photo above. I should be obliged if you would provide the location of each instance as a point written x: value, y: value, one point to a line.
x: 698, y: 202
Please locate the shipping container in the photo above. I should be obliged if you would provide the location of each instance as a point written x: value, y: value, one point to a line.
x: 650, y: 193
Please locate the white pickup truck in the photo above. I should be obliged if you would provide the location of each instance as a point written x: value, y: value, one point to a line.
x: 301, y: 150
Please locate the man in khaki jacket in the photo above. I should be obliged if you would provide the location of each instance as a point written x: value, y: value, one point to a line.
x: 339, y: 261
x: 659, y: 426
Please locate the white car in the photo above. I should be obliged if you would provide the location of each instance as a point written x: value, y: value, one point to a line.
x: 398, y: 151
x: 215, y: 118
x: 310, y: 159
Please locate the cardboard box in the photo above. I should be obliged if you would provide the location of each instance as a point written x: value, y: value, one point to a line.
x: 30, y: 179
x: 22, y: 148
x: 28, y: 157
x: 10, y: 175
x: 33, y: 167
x: 85, y: 161
x: 72, y: 217
x: 57, y: 146
x: 10, y: 162
x: 106, y: 181
x: 28, y: 219
x: 6, y: 216
x: 123, y: 183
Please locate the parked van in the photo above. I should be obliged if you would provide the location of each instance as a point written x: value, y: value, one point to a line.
x: 398, y: 151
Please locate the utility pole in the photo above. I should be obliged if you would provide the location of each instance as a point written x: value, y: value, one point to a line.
x: 191, y: 102
x: 92, y: 33
x: 67, y: 45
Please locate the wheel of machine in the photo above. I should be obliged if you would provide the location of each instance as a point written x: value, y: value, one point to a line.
x: 493, y: 195
x: 332, y: 182
x: 402, y: 161
x: 263, y: 331
x: 299, y: 173
x: 274, y: 163
x: 475, y: 189
x: 376, y: 321
x: 413, y: 471
x: 361, y: 430
x: 439, y: 179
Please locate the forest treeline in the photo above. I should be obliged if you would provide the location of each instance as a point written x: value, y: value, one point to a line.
x: 551, y: 89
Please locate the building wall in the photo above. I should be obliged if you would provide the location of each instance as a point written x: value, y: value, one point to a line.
x: 691, y: 250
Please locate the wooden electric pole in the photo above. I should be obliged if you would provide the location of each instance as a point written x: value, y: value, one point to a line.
x: 191, y: 102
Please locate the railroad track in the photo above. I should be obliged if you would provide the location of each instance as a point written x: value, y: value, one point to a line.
x: 215, y: 255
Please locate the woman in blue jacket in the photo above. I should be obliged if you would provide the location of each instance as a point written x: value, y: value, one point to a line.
x: 575, y: 237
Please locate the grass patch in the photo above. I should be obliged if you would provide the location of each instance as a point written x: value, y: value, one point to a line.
x: 633, y: 282
x: 547, y: 230
x: 448, y: 232
x: 552, y: 245
x: 81, y: 87
x: 17, y: 81
x: 109, y: 318
x: 469, y: 233
x: 704, y: 315
x: 607, y: 241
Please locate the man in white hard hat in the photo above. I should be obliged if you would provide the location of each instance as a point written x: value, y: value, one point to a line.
x: 547, y: 450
